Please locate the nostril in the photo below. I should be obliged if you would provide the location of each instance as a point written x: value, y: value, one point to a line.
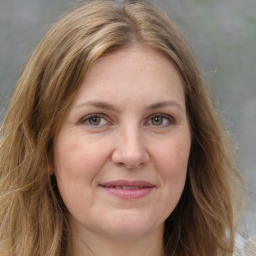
x: 130, y: 166
x: 125, y: 165
x: 120, y: 164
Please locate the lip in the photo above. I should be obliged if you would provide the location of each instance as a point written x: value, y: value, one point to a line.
x: 124, y: 189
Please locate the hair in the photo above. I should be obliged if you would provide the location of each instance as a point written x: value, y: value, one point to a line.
x: 33, y: 216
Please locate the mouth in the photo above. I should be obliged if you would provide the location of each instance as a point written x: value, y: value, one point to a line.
x: 128, y: 189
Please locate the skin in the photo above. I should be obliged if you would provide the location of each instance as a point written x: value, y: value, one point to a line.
x: 127, y: 122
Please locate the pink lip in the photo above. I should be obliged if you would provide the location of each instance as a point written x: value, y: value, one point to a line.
x: 128, y: 189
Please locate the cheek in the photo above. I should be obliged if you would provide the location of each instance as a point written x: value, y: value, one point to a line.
x: 172, y: 163
x: 173, y: 156
x: 76, y: 165
x: 75, y: 157
x: 171, y: 160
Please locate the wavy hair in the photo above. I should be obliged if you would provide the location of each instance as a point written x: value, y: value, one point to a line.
x: 33, y: 217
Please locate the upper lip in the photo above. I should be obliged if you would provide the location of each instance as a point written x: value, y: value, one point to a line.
x: 126, y: 183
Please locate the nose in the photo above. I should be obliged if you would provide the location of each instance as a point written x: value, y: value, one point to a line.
x: 130, y: 150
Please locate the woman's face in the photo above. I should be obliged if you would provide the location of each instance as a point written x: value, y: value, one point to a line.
x: 121, y: 154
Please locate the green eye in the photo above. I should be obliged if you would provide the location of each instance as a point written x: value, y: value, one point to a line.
x: 160, y: 120
x: 157, y: 120
x: 94, y: 120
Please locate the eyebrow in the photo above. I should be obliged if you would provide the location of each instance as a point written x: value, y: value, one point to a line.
x: 164, y: 104
x: 108, y: 106
x: 98, y: 104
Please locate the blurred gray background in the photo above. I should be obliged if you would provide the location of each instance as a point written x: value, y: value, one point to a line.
x: 222, y: 36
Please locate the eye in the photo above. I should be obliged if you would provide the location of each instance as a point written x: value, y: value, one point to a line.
x: 160, y: 120
x: 94, y: 120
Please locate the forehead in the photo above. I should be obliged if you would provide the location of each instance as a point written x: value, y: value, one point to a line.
x: 135, y: 68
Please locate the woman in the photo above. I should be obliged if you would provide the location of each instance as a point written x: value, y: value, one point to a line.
x: 111, y: 145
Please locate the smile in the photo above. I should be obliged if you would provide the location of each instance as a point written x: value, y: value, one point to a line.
x: 125, y: 187
x: 128, y: 190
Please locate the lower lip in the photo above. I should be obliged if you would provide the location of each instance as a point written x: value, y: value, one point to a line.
x: 129, y: 193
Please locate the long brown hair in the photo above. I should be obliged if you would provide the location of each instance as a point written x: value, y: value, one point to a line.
x: 33, y: 217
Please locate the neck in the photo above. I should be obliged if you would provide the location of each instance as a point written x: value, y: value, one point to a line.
x: 91, y: 244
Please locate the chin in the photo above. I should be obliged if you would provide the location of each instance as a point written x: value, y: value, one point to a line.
x: 130, y: 226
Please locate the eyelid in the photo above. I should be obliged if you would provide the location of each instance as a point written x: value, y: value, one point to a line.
x: 170, y: 119
x: 87, y: 117
x: 84, y: 119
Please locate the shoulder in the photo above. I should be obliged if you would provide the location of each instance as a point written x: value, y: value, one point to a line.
x: 250, y: 246
x: 245, y: 246
x: 240, y: 240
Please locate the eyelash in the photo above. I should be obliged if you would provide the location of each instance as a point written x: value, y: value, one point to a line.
x: 170, y: 120
x: 85, y: 120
